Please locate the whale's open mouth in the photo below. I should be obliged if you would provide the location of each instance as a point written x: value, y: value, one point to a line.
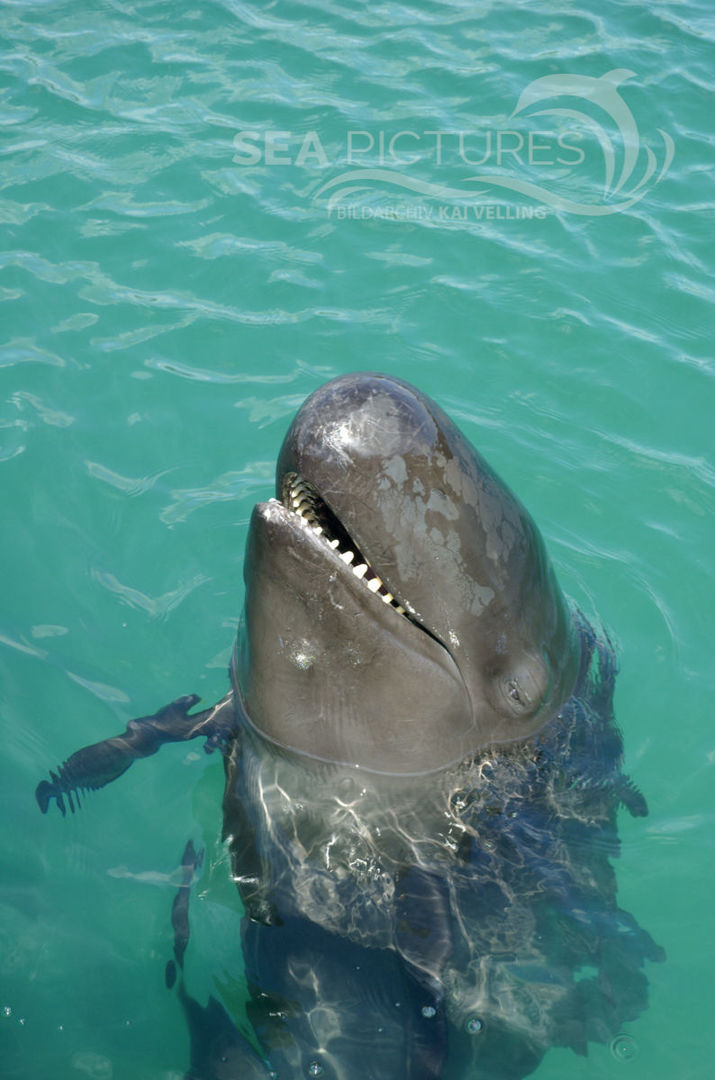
x: 401, y: 612
x: 302, y: 498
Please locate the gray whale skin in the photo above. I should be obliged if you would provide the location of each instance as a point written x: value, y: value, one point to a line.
x: 423, y: 771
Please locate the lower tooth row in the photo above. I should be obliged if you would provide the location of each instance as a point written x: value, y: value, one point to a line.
x: 298, y: 498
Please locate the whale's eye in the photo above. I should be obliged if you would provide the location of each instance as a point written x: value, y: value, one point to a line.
x: 512, y: 689
x: 513, y: 695
x: 521, y: 687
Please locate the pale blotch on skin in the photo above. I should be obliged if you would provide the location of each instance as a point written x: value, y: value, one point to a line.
x: 395, y: 469
x: 456, y: 480
x: 433, y: 511
x: 482, y: 596
x: 500, y: 532
x: 438, y: 503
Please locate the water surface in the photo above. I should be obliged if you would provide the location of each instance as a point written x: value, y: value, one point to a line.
x: 167, y: 304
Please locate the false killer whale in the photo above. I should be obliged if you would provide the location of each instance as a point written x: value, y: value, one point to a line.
x: 423, y: 770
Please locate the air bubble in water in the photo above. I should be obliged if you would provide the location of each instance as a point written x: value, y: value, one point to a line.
x: 429, y: 1011
x: 624, y: 1047
x: 315, y: 1069
x: 474, y: 1025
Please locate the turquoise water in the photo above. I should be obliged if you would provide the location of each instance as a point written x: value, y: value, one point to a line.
x: 170, y: 295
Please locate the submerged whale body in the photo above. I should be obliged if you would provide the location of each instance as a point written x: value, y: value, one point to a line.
x: 423, y: 770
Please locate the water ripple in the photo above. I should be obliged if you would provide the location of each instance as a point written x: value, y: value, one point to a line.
x: 128, y: 484
x: 223, y: 378
x: 157, y: 607
x: 250, y: 481
x: 25, y: 351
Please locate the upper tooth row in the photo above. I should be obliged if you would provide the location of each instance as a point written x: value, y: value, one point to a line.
x: 301, y: 504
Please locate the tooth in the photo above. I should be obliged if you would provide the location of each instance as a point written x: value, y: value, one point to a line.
x: 333, y: 544
x: 374, y: 584
x: 317, y: 529
x: 347, y: 556
x: 400, y: 609
x: 360, y: 571
x: 387, y: 597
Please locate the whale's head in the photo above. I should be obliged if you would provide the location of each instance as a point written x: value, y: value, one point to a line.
x: 401, y: 612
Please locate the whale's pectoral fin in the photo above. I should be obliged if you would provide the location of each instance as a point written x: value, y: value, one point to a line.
x: 631, y: 797
x: 218, y: 1049
x: 95, y: 766
x: 191, y: 862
